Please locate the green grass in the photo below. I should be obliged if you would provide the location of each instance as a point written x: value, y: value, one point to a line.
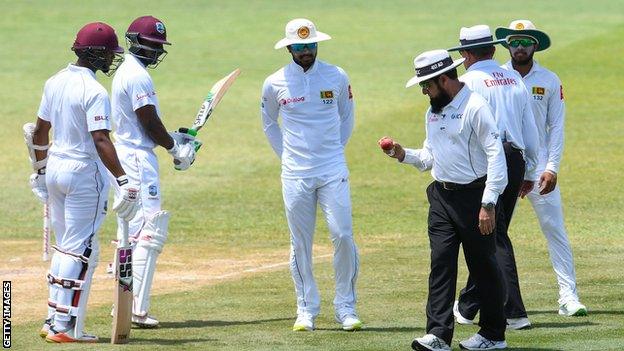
x: 230, y: 200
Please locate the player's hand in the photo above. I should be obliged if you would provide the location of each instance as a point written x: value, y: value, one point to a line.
x: 183, y: 155
x: 391, y: 148
x: 127, y: 203
x: 181, y: 137
x: 526, y: 187
x: 38, y: 187
x: 487, y: 221
x: 547, y: 182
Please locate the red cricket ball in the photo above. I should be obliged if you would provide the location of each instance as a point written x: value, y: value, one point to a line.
x: 386, y: 144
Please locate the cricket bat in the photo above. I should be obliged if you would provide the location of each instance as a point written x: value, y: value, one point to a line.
x: 122, y: 311
x: 29, y: 130
x: 46, y: 232
x: 210, y: 102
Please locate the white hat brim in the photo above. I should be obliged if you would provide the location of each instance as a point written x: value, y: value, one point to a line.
x: 416, y: 79
x: 320, y: 36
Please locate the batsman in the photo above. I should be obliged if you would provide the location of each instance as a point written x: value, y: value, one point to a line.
x: 138, y: 129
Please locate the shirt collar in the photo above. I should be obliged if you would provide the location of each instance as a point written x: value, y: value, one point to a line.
x: 481, y: 64
x: 462, y: 94
x: 130, y: 57
x: 298, y: 69
x: 72, y: 67
x: 536, y: 67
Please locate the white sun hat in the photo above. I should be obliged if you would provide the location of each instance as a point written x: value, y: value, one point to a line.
x: 432, y: 63
x: 301, y: 31
x: 475, y: 37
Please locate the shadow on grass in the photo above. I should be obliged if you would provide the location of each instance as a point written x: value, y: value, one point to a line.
x: 202, y: 324
x: 563, y: 324
x: 377, y: 329
x: 176, y: 341
x: 591, y: 312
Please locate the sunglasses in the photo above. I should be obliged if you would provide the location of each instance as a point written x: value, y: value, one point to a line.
x: 301, y: 47
x: 524, y: 42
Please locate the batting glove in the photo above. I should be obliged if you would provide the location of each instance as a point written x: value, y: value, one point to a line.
x: 183, y: 154
x: 38, y: 187
x: 127, y: 203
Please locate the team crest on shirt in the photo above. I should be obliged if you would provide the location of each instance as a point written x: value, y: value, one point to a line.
x: 152, y: 190
x: 328, y: 94
x: 539, y: 91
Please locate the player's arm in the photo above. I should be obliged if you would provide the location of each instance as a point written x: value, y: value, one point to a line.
x: 269, y: 110
x: 555, y: 117
x: 345, y: 109
x: 106, y: 151
x: 41, y: 137
x: 154, y: 127
x: 484, y: 126
x: 486, y: 131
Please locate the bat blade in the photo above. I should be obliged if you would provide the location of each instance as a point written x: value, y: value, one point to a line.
x: 122, y: 311
x: 212, y: 100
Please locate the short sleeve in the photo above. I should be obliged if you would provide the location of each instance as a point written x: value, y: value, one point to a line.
x: 142, y: 92
x: 98, y: 111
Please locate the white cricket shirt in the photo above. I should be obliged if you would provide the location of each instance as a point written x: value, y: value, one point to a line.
x: 132, y: 89
x: 75, y: 104
x: 317, y: 118
x: 462, y: 144
x: 505, y: 92
x: 549, y: 111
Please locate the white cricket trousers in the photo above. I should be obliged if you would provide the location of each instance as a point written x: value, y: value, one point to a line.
x: 550, y: 215
x: 77, y: 195
x: 332, y: 193
x: 141, y: 167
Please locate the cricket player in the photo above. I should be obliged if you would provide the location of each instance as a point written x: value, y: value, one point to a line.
x: 463, y: 150
x: 138, y: 129
x: 523, y: 40
x: 316, y: 105
x: 511, y: 104
x: 71, y: 176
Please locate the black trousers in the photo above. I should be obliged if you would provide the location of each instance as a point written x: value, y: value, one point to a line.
x: 469, y: 302
x: 454, y: 220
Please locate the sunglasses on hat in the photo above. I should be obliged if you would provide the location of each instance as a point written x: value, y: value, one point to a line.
x: 301, y: 47
x: 526, y: 42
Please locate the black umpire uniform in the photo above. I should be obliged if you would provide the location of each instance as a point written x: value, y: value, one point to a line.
x: 465, y: 154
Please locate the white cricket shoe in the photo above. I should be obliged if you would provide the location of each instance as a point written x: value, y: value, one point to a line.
x: 518, y: 323
x: 45, y: 329
x: 458, y: 317
x: 146, y: 321
x: 304, y: 322
x: 349, y: 322
x: 478, y: 342
x: 573, y: 308
x: 430, y: 342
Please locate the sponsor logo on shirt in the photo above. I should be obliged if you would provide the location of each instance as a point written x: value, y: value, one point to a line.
x: 539, y: 90
x: 433, y: 118
x: 350, y: 93
x: 499, y: 79
x: 292, y: 100
x: 100, y: 118
x: 457, y: 115
x: 146, y: 95
x: 561, y: 91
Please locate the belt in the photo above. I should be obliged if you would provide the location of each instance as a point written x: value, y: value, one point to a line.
x: 475, y: 184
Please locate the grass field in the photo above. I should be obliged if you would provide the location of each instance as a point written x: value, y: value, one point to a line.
x: 224, y: 282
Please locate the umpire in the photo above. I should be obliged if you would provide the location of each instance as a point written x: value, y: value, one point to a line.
x: 465, y: 154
